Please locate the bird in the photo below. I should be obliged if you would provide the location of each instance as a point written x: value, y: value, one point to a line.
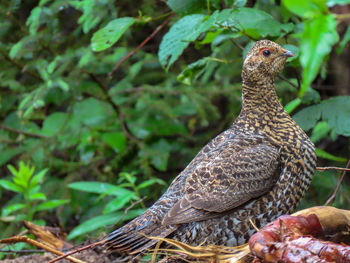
x: 247, y: 176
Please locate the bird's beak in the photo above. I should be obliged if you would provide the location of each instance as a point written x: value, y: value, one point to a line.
x: 288, y: 54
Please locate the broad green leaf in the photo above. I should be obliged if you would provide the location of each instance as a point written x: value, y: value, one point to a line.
x: 99, y: 188
x: 92, y: 187
x: 37, y: 196
x: 325, y: 155
x: 185, y: 7
x: 15, y: 50
x: 253, y: 22
x: 150, y: 182
x: 308, y: 117
x: 33, y: 20
x: 50, y: 204
x: 306, y: 8
x: 332, y: 3
x: 336, y: 111
x: 7, y: 154
x: 110, y: 34
x: 36, y: 179
x: 118, y: 203
x: 239, y: 3
x: 54, y: 123
x: 11, y: 208
x: 159, y: 153
x: 344, y: 41
x: 179, y: 36
x: 93, y: 112
x: 10, y: 186
x: 319, y: 36
x: 116, y: 140
x: 320, y: 131
x: 102, y: 221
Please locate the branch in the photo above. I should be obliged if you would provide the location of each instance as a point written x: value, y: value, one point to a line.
x: 288, y: 81
x: 333, y: 168
x: 331, y: 199
x: 35, y: 135
x: 110, y: 74
x: 342, y: 16
x: 25, y: 239
x: 67, y: 255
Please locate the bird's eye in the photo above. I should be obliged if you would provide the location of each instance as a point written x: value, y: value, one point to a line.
x: 267, y: 52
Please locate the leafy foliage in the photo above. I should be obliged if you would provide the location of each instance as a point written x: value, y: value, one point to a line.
x: 111, y: 132
x: 27, y: 186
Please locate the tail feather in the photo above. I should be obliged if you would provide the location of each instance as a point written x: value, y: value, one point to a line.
x: 133, y: 238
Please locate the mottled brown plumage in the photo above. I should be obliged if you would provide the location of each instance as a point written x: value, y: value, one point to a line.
x: 258, y: 169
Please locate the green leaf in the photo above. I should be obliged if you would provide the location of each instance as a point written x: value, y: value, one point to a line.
x: 325, y: 155
x: 110, y: 34
x: 37, y: 196
x: 308, y: 117
x: 253, y: 22
x: 159, y: 153
x: 336, y: 111
x: 36, y: 179
x: 7, y: 154
x: 11, y: 186
x: 319, y: 36
x: 102, y: 221
x: 306, y: 8
x: 344, y: 41
x: 192, y: 71
x: 150, y: 182
x: 185, y: 7
x: 320, y: 131
x: 54, y: 123
x: 50, y: 204
x: 116, y: 140
x: 180, y: 35
x: 11, y: 208
x: 118, y: 203
x: 93, y: 112
x: 98, y: 188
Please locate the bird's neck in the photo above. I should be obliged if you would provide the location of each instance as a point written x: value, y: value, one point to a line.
x: 260, y: 96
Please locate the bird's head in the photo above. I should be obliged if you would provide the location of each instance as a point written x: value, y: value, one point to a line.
x: 264, y: 60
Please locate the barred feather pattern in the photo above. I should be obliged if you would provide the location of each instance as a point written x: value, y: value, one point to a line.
x: 255, y: 171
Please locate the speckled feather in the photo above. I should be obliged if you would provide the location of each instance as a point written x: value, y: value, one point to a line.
x: 258, y: 169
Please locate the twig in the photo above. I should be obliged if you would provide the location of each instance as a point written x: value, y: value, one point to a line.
x: 23, y: 251
x: 288, y: 81
x: 129, y: 207
x: 331, y: 199
x: 67, y: 255
x: 110, y: 74
x: 25, y: 239
x: 237, y: 44
x: 333, y: 168
x: 342, y: 16
x: 6, y: 128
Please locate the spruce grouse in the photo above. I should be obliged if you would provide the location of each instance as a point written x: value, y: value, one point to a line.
x: 256, y: 170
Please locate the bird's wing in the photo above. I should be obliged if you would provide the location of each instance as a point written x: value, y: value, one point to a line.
x: 235, y: 174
